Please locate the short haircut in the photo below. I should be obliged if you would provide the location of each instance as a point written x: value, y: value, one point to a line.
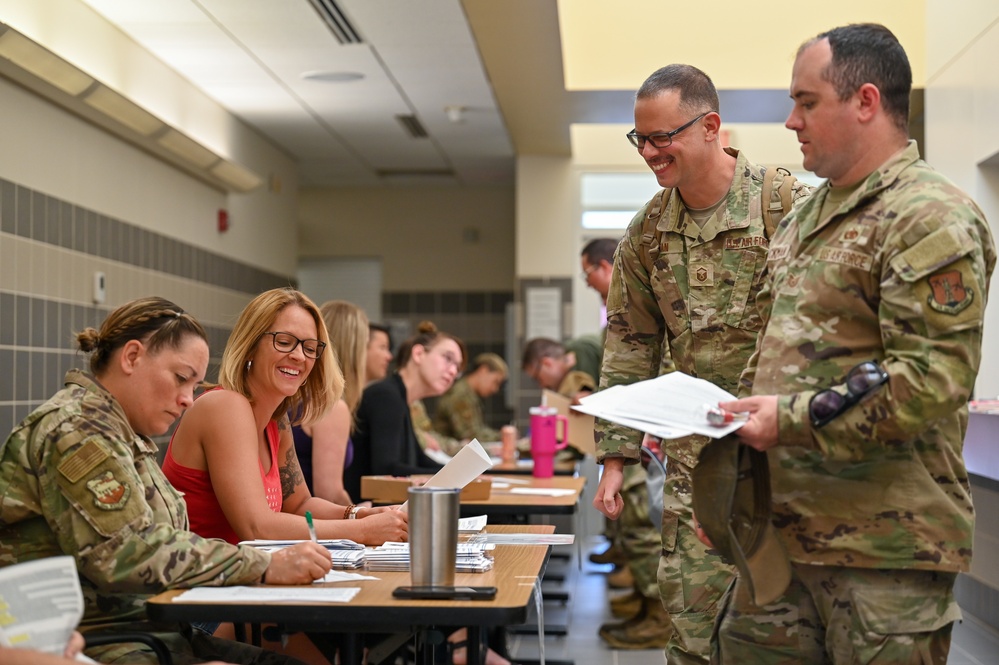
x: 324, y: 385
x: 154, y: 321
x: 599, y: 249
x: 538, y: 348
x: 869, y: 53
x: 697, y: 92
x: 492, y: 362
x: 379, y: 327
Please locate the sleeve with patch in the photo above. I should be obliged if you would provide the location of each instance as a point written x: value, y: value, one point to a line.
x: 99, y: 487
x: 941, y: 272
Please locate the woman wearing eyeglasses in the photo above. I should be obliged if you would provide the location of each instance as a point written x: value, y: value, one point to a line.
x: 385, y: 440
x: 233, y: 455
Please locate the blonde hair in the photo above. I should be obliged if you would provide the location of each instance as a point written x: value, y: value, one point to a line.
x: 348, y: 329
x: 324, y: 384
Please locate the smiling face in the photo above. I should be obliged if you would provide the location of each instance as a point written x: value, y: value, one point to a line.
x: 283, y: 372
x: 681, y: 161
x: 161, y: 384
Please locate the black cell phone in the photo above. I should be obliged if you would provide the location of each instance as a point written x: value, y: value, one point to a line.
x: 445, y: 592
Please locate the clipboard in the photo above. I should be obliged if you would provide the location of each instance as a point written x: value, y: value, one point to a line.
x: 580, y: 434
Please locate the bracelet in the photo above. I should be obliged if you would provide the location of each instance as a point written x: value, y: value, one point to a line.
x: 353, y: 512
x: 350, y: 512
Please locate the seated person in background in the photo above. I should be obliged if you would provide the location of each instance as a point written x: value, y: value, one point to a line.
x: 555, y: 366
x: 379, y: 353
x: 324, y: 448
x: 385, y: 440
x: 459, y: 410
x: 79, y: 476
x: 429, y: 439
x: 233, y: 455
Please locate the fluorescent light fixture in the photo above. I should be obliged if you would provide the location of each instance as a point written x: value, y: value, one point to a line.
x: 187, y: 149
x: 118, y: 113
x: 124, y: 110
x: 235, y: 176
x: 42, y: 63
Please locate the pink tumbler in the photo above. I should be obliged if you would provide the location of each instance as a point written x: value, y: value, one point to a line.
x: 544, y: 439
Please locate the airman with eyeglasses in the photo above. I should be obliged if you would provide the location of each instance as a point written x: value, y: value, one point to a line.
x: 684, y: 296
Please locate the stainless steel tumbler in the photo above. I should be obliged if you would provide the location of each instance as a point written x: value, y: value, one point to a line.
x: 433, y: 535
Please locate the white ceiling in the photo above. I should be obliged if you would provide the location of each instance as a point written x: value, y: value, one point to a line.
x: 417, y: 58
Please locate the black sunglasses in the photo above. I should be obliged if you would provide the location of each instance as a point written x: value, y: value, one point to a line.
x: 860, y: 381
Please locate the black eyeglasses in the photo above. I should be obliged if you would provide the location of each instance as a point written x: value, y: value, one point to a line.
x: 860, y: 382
x: 286, y: 343
x: 662, y: 140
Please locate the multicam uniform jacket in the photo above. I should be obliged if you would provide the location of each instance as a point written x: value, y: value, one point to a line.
x: 695, y: 310
x: 897, y: 274
x: 459, y: 415
x: 75, y: 479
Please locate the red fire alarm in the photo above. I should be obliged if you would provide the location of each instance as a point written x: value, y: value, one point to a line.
x: 223, y: 220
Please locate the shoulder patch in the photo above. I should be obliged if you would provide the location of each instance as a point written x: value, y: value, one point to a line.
x: 76, y: 466
x: 109, y: 493
x: 948, y: 294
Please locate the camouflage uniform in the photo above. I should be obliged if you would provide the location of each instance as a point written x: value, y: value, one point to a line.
x: 422, y: 427
x: 897, y: 274
x: 459, y: 414
x: 75, y: 479
x: 695, y: 311
x: 589, y: 354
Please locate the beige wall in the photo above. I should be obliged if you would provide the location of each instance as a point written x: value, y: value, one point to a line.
x: 962, y: 97
x: 422, y: 234
x: 52, y: 151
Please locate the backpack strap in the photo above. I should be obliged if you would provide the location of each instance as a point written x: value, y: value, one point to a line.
x: 651, y: 236
x: 776, y: 197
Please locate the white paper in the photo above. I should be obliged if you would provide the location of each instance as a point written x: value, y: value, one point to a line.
x: 268, y: 594
x: 542, y: 491
x: 668, y: 406
x: 530, y: 538
x: 42, y: 604
x: 473, y: 524
x: 467, y: 465
x: 340, y: 576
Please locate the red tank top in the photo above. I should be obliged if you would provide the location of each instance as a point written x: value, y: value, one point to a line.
x: 203, y: 509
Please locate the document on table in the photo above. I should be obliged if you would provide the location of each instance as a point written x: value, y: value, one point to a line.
x: 669, y: 406
x: 41, y: 604
x: 462, y: 469
x: 268, y: 594
x: 542, y: 491
x: 530, y: 538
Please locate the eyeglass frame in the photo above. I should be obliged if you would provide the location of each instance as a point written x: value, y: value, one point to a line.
x: 321, y: 346
x: 634, y: 137
x: 851, y: 398
x: 585, y: 274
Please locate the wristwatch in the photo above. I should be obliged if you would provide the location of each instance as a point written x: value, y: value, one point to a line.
x: 352, y: 513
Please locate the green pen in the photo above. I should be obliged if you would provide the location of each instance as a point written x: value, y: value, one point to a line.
x: 312, y: 527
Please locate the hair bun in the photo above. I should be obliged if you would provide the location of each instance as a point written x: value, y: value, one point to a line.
x: 426, y: 328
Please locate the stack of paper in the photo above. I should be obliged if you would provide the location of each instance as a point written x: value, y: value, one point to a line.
x: 670, y: 406
x: 347, y: 559
x: 330, y: 544
x: 470, y: 557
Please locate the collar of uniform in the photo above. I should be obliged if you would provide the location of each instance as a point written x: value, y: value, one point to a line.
x: 97, y: 391
x: 672, y: 219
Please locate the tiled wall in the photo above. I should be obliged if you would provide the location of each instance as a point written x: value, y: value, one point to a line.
x: 477, y: 317
x: 49, y: 251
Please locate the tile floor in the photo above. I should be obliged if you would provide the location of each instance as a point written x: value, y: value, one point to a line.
x: 973, y: 642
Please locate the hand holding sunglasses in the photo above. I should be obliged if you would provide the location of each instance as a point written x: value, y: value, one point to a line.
x: 862, y: 380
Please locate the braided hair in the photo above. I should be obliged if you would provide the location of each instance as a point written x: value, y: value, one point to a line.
x: 155, y: 321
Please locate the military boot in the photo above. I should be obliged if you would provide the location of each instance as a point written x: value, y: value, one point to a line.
x: 626, y: 605
x: 651, y: 631
x: 621, y: 579
x: 613, y: 554
x: 612, y: 626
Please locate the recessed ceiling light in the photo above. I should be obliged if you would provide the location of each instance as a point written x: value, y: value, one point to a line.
x: 332, y: 77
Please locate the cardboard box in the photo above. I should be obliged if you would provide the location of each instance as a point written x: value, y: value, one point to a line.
x: 580, y: 433
x: 392, y: 489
